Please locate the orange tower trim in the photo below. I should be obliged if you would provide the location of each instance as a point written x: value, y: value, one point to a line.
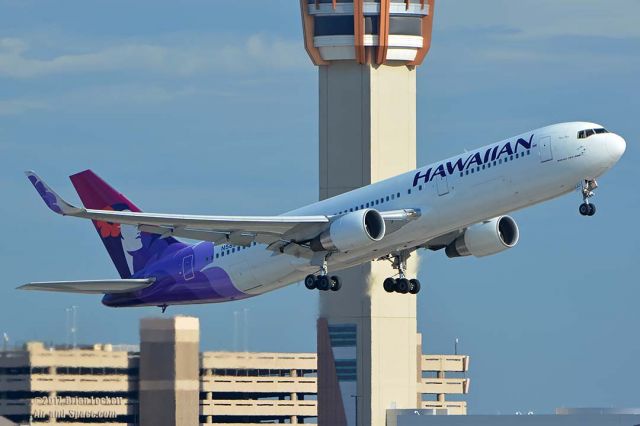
x: 427, y: 29
x: 358, y: 27
x: 383, y: 33
x: 307, y: 28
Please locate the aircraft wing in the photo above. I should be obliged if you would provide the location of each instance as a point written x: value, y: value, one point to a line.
x: 90, y: 287
x: 239, y: 230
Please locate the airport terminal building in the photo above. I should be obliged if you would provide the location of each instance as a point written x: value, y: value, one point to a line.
x: 167, y: 380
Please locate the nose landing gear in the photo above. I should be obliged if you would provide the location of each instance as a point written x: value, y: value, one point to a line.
x: 400, y: 285
x: 587, y: 208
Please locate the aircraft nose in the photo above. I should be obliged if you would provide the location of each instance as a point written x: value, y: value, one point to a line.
x: 616, y: 146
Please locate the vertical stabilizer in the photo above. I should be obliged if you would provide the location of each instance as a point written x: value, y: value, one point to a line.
x: 130, y: 249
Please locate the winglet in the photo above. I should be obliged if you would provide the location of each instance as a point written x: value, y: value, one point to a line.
x: 50, y: 198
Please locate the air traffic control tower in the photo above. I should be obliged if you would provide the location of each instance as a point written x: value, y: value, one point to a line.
x: 367, y: 52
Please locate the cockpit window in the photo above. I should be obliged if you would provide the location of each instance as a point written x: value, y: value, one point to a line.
x: 583, y: 134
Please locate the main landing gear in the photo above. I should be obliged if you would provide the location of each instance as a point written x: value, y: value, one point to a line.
x: 401, y: 284
x: 322, y: 281
x: 587, y: 208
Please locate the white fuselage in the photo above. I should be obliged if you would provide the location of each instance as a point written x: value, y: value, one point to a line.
x: 450, y: 195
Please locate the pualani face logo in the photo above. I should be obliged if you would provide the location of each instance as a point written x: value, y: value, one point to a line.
x: 473, y: 160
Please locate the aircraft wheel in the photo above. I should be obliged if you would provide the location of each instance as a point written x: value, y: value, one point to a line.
x: 414, y: 286
x: 389, y: 285
x: 310, y: 282
x: 592, y: 210
x: 402, y: 286
x: 323, y: 283
x: 584, y: 209
x: 335, y: 283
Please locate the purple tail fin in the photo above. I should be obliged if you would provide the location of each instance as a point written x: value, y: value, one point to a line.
x: 130, y: 249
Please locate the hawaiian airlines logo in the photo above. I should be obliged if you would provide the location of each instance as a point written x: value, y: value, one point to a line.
x: 49, y: 197
x: 108, y: 229
x: 473, y: 160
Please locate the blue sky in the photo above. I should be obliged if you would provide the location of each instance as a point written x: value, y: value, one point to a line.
x: 211, y: 107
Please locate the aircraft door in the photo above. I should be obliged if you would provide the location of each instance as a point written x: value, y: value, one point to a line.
x: 546, y: 152
x: 187, y: 268
x: 442, y: 185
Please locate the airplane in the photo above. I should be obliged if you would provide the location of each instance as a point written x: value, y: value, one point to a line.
x: 459, y: 205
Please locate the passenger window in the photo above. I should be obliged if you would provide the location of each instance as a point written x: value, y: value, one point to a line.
x: 387, y: 198
x: 420, y: 187
x: 367, y: 205
x: 393, y: 196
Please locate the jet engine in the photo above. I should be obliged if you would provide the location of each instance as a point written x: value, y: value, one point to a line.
x: 351, y: 231
x: 486, y: 238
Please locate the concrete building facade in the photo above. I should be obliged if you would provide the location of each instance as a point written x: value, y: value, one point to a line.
x: 167, y: 382
x: 42, y: 385
x: 580, y: 418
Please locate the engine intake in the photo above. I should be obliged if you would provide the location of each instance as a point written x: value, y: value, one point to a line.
x: 351, y: 231
x: 486, y: 238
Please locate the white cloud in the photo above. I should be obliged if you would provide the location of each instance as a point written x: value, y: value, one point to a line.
x: 19, y: 106
x: 544, y: 18
x: 205, y: 54
x: 103, y: 96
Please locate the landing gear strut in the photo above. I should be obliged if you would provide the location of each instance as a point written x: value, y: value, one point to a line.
x: 587, y: 208
x: 401, y: 284
x: 323, y: 281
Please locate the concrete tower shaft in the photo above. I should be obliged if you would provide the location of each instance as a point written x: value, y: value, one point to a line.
x: 366, y: 51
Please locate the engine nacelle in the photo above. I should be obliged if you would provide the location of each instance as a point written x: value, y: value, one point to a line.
x: 486, y: 238
x: 351, y: 231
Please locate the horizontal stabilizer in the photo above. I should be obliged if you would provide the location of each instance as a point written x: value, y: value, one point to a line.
x: 91, y: 286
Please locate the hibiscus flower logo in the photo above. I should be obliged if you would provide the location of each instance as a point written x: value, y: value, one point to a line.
x: 108, y: 229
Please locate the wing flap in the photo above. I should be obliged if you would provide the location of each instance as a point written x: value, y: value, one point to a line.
x: 90, y: 286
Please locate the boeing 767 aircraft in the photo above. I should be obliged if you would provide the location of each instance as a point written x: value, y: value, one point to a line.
x: 458, y: 204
